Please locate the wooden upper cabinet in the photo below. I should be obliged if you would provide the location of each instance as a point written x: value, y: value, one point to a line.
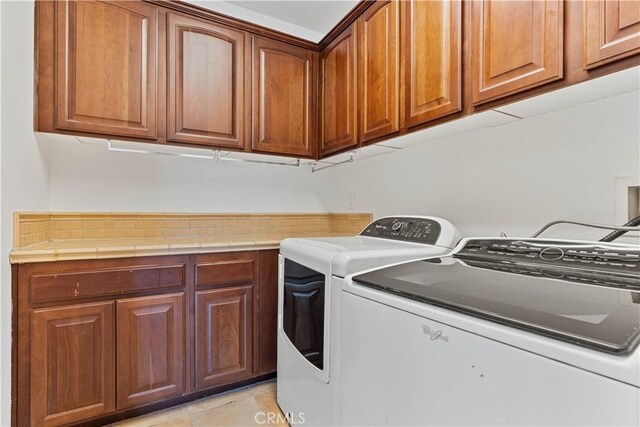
x: 72, y: 363
x: 106, y: 67
x: 432, y: 48
x: 612, y: 30
x: 515, y: 45
x: 151, y: 349
x: 378, y: 70
x: 206, y: 102
x: 338, y: 94
x: 284, y: 88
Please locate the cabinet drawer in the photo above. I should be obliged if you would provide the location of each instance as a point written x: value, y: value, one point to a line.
x: 57, y: 286
x: 226, y: 268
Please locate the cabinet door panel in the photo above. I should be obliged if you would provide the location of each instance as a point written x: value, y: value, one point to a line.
x: 106, y: 67
x: 224, y: 335
x: 337, y: 94
x: 283, y: 98
x: 612, y: 30
x: 502, y: 63
x: 267, y: 322
x: 72, y: 363
x: 379, y: 82
x: 432, y: 59
x: 206, y: 83
x: 151, y: 349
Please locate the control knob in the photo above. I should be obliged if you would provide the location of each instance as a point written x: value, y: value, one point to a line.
x: 551, y: 253
x: 397, y: 226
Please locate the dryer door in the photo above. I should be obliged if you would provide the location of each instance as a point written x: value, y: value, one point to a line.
x: 303, y: 311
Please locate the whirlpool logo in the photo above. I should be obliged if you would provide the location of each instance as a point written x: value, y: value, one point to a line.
x: 434, y: 335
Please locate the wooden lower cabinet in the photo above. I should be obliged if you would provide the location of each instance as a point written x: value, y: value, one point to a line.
x: 94, y: 338
x: 266, y: 319
x: 151, y: 349
x: 223, y: 335
x: 72, y: 363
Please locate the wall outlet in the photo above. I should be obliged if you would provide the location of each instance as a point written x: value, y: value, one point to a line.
x: 351, y: 200
x: 633, y: 204
x: 627, y: 198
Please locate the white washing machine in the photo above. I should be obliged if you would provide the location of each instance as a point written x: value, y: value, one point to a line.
x: 311, y: 272
x: 499, y: 332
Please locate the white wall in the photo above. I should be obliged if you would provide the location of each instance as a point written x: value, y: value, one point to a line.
x: 3, y: 316
x: 511, y: 178
x: 23, y: 171
x: 84, y: 177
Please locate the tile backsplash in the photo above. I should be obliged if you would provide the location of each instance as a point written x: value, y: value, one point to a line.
x: 32, y: 227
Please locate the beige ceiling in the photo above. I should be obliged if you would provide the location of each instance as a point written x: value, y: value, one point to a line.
x: 317, y: 17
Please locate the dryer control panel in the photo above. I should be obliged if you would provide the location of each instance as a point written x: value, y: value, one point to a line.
x: 408, y: 229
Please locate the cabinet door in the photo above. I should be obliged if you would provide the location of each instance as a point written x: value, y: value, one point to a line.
x: 378, y: 63
x: 106, y: 67
x: 515, y: 45
x: 432, y: 59
x: 72, y: 363
x: 151, y: 349
x: 206, y: 83
x: 284, y: 80
x: 224, y: 336
x: 267, y: 312
x: 338, y: 94
x: 612, y: 30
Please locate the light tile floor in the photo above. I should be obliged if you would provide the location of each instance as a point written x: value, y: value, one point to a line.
x: 248, y: 406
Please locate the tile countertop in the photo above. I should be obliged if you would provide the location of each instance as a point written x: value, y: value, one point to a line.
x: 64, y: 236
x: 66, y: 250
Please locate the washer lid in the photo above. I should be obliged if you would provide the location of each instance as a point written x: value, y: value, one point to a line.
x: 605, y: 319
